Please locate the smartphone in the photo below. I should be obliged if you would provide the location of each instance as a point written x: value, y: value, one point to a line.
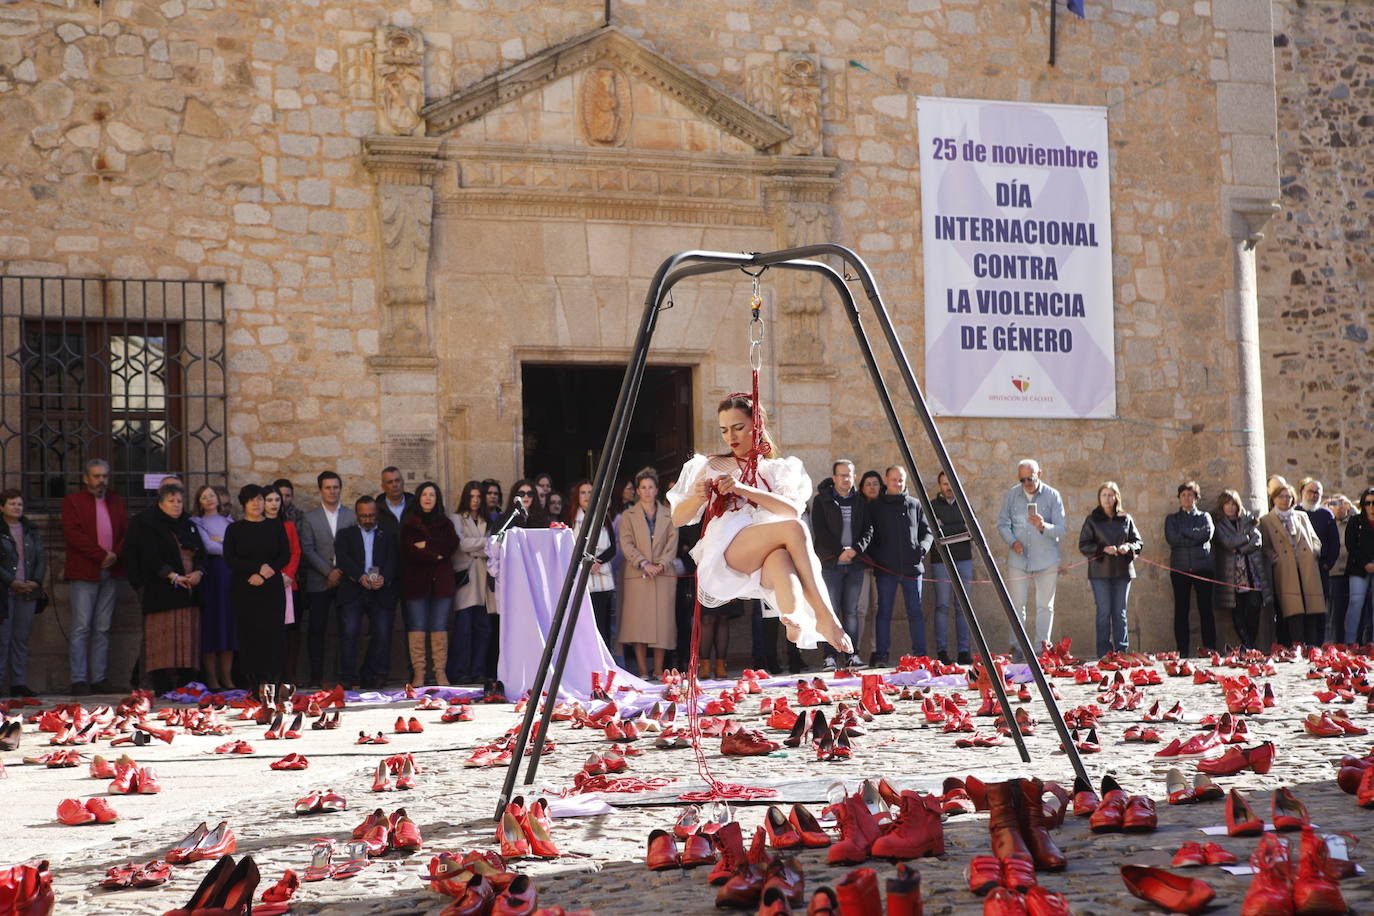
x: 1030, y: 510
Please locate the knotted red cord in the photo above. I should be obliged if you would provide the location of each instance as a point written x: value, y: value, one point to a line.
x: 716, y: 505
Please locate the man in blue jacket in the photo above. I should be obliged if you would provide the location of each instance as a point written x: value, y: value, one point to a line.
x: 901, y: 539
x: 1031, y: 521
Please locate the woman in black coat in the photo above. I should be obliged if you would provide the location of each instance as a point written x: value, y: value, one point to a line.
x: 256, y: 549
x: 166, y: 560
x: 1111, y: 541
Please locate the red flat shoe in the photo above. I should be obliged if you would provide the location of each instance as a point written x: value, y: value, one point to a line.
x: 1216, y: 855
x: 372, y: 820
x: 332, y: 801
x: 405, y: 834
x: 1206, y: 790
x: 998, y: 902
x: 984, y: 873
x: 284, y: 889
x: 1139, y: 815
x: 662, y: 853
x: 179, y: 853
x: 148, y: 783
x: 101, y: 810
x: 519, y: 899
x: 1241, y: 819
x: 1174, y: 893
x: 1189, y: 855
x: 1042, y: 902
x: 290, y: 762
x: 1289, y: 813
x: 153, y: 874
x: 413, y: 726
x: 218, y: 842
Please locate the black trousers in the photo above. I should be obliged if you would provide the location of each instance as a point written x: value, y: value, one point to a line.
x: 603, y: 606
x: 321, y: 608
x: 1182, y: 586
x: 1246, y: 617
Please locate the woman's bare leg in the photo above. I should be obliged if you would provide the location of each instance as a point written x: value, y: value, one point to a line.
x: 755, y: 545
x: 640, y: 662
x: 658, y: 661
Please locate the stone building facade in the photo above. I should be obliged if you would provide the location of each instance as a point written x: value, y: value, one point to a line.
x: 407, y: 202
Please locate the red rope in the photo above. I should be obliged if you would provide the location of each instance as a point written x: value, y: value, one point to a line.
x: 716, y: 506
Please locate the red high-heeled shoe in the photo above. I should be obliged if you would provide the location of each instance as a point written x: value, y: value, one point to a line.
x: 381, y: 782
x: 1163, y: 888
x: 1241, y: 819
x: 781, y: 833
x: 235, y: 897
x: 538, y: 828
x: 808, y: 828
x: 211, y: 888
x: 218, y: 842
x: 1289, y: 813
x: 178, y: 853
x: 509, y: 833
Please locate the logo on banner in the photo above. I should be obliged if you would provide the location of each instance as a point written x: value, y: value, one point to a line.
x: 1021, y: 383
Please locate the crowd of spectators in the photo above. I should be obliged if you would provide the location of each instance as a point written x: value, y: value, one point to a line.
x: 232, y: 587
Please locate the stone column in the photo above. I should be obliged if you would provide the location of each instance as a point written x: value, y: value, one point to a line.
x: 1247, y: 218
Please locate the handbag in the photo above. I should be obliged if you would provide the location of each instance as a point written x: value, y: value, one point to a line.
x: 40, y: 600
x: 461, y: 578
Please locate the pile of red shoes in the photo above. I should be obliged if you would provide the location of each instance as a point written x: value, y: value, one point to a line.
x: 381, y: 833
x: 523, y: 832
x: 746, y: 878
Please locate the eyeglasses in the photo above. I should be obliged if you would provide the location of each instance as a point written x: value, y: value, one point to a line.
x: 524, y: 492
x: 1368, y: 502
x: 1025, y: 479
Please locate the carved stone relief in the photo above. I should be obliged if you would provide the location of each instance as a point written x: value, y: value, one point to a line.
x: 603, y: 106
x: 400, y: 87
x: 789, y: 88
x: 359, y: 70
x: 407, y: 217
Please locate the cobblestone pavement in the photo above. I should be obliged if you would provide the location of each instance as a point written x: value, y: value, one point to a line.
x: 603, y: 866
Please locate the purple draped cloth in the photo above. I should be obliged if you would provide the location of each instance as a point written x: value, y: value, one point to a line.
x: 529, y: 565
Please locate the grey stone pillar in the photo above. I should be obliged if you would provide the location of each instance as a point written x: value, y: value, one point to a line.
x: 1248, y: 216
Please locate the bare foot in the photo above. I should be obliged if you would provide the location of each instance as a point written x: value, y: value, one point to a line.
x: 829, y: 627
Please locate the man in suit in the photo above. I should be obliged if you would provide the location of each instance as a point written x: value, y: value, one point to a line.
x: 368, y: 558
x: 321, y: 573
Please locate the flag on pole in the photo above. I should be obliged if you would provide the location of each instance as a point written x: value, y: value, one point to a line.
x: 1076, y: 7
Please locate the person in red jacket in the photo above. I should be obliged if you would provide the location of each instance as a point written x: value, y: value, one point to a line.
x: 94, y: 522
x: 428, y: 541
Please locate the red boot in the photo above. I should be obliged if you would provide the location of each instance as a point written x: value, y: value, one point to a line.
x: 859, y: 830
x: 1271, y: 890
x: 729, y: 839
x: 904, y: 892
x: 1314, y: 891
x: 1004, y: 821
x: 1044, y: 852
x: 858, y: 893
x: 917, y: 831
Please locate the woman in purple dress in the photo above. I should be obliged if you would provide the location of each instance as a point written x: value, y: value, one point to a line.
x: 217, y: 642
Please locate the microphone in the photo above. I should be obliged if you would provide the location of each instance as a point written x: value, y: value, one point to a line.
x: 518, y: 512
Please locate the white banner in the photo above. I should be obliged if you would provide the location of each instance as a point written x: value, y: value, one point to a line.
x: 1016, y: 226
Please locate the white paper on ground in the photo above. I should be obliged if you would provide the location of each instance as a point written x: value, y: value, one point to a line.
x: 579, y: 806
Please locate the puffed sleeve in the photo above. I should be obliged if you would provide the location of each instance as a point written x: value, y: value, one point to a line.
x: 686, y: 480
x: 789, y: 479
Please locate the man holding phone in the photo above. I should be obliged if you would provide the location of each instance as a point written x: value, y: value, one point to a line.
x: 1031, y: 521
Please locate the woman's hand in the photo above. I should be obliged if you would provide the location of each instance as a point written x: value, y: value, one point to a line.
x: 256, y: 579
x: 596, y: 567
x: 420, y: 545
x: 265, y: 571
x: 652, y: 570
x: 1111, y: 550
x: 702, y: 488
x: 193, y: 579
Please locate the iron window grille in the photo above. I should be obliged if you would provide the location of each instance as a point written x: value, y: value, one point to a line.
x: 130, y: 371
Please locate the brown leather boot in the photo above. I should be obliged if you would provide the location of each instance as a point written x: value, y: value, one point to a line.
x: 1004, y: 820
x: 1035, y: 828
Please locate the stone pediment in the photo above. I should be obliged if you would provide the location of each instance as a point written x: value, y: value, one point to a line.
x: 603, y: 89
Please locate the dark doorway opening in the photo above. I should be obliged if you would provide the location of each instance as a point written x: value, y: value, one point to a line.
x: 567, y: 410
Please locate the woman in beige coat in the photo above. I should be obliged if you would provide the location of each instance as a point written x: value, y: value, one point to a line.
x: 475, y: 602
x: 1291, y: 546
x: 648, y: 540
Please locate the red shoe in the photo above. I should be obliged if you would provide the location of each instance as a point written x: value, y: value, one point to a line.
x: 331, y: 802
x: 1364, y: 793
x: 73, y: 813
x: 1271, y: 890
x: 381, y: 782
x: 857, y: 894
x: 697, y: 851
x: 102, y: 768
x: 1085, y: 800
x: 781, y: 834
x: 538, y: 827
x: 1139, y: 815
x: 1035, y: 828
x: 859, y: 830
x: 1315, y: 893
x: 1189, y: 855
x: 782, y: 718
x: 294, y: 731
x: 413, y: 726
x: 290, y: 762
x: 406, y: 778
x: 401, y: 728
x: 405, y: 835
x: 1041, y: 902
x: 148, y: 782
x: 917, y: 831
x: 1003, y: 902
x: 164, y: 735
x: 1162, y: 888
x: 743, y: 742
x: 1289, y: 813
x: 179, y: 853
x: 1111, y: 812
x: 1322, y: 726
x: 509, y: 832
x: 372, y: 820
x: 215, y: 844
x: 1216, y: 855
x: 984, y: 873
x: 1241, y: 819
x: 808, y: 828
x: 729, y: 840
x: 1005, y: 817
x: 662, y: 853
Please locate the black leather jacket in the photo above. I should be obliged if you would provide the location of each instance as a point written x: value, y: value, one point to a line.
x: 1098, y: 532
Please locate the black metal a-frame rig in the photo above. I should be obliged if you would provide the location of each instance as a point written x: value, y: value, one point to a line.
x: 697, y: 263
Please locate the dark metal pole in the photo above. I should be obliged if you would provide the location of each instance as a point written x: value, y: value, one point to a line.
x: 1054, y: 27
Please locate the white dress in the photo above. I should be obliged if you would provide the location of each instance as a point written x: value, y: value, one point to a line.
x: 717, y: 582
